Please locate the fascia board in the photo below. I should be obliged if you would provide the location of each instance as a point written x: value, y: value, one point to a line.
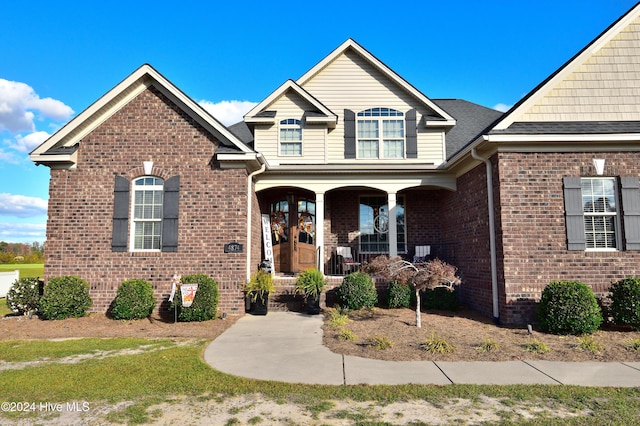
x: 541, y: 90
x: 380, y: 66
x: 251, y: 116
x: 120, y: 95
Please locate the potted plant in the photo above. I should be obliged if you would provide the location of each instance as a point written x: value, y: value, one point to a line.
x: 257, y: 292
x: 311, y: 283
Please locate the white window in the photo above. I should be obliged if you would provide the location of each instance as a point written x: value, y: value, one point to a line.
x: 380, y: 133
x: 146, y: 231
x: 600, y: 213
x: 290, y: 137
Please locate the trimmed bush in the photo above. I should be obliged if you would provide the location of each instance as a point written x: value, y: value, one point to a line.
x: 625, y: 302
x: 569, y: 307
x: 399, y: 295
x: 134, y: 300
x: 357, y: 291
x: 205, y: 302
x: 24, y: 296
x: 65, y: 297
x: 440, y: 298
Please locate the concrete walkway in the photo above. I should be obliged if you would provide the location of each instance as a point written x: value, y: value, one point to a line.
x: 287, y: 347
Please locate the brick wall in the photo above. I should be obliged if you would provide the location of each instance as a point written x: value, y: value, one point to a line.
x: 212, y: 205
x: 533, y: 225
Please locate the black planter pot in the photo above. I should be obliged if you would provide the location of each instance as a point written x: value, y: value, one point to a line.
x: 313, y: 304
x: 259, y: 305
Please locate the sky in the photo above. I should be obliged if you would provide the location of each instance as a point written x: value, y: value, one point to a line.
x: 57, y: 58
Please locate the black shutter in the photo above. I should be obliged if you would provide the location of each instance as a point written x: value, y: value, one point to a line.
x: 631, y: 211
x: 120, y: 230
x: 349, y: 134
x: 411, y: 134
x: 170, y: 214
x: 574, y: 216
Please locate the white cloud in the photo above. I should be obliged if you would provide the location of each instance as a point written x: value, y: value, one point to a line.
x: 29, y: 142
x: 22, y: 232
x: 22, y: 206
x: 227, y: 112
x: 8, y: 157
x: 502, y: 107
x: 19, y: 104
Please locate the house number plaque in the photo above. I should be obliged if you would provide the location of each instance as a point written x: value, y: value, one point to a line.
x: 233, y: 248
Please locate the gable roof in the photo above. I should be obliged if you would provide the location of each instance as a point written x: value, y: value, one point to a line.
x: 441, y: 118
x: 516, y: 113
x: 60, y: 148
x: 258, y: 114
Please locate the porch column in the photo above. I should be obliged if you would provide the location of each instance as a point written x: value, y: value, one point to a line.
x: 320, y: 230
x: 393, y: 226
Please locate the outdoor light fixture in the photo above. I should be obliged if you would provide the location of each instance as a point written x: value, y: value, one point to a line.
x: 148, y: 167
x: 599, y: 165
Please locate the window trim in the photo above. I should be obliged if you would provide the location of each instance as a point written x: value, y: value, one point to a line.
x: 616, y: 215
x: 132, y: 232
x: 381, y: 115
x: 292, y: 124
x: 400, y: 201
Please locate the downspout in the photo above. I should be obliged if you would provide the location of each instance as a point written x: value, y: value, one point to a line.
x: 492, y: 234
x: 262, y: 168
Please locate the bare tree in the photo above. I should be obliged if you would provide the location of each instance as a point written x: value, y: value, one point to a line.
x: 421, y: 276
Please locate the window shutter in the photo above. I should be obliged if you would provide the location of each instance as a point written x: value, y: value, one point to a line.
x: 574, y: 216
x: 631, y: 211
x: 411, y: 134
x: 120, y: 230
x: 170, y: 214
x: 349, y: 134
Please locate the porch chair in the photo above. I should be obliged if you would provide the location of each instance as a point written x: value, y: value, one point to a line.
x: 347, y: 263
x: 422, y: 254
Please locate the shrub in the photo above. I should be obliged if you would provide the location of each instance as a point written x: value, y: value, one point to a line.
x: 535, y: 346
x: 589, y: 344
x: 357, y: 291
x: 625, y: 302
x: 437, y: 345
x: 346, y: 335
x: 205, y: 302
x: 337, y: 319
x: 488, y: 345
x: 569, y: 307
x: 24, y: 296
x: 134, y: 300
x: 65, y: 297
x: 380, y: 343
x: 399, y: 295
x: 440, y: 298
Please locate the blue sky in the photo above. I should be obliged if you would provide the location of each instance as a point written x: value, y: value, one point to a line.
x: 59, y: 57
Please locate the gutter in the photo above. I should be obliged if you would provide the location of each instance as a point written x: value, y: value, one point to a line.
x: 492, y: 234
x: 262, y: 168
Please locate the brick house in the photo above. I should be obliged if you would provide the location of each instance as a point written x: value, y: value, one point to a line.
x: 146, y: 184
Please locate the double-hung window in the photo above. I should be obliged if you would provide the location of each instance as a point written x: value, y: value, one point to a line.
x: 147, y: 213
x: 290, y: 137
x: 600, y: 213
x: 380, y: 133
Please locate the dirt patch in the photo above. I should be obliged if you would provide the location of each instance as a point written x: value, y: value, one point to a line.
x: 97, y: 325
x: 467, y: 331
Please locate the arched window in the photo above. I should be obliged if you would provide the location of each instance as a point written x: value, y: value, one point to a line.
x: 380, y: 133
x: 147, y: 203
x: 290, y: 137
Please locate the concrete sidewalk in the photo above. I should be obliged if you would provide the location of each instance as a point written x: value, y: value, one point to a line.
x: 287, y: 347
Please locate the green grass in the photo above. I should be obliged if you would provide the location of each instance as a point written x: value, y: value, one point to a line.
x: 27, y: 270
x: 160, y: 375
x: 4, y: 309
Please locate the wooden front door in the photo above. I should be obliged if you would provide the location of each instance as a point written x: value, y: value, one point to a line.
x: 293, y: 222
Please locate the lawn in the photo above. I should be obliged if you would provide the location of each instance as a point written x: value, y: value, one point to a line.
x: 149, y: 374
x: 27, y: 270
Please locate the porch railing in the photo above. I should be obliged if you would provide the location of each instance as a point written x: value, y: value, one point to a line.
x: 337, y: 265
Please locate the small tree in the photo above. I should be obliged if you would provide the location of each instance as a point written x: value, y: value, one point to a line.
x: 431, y: 274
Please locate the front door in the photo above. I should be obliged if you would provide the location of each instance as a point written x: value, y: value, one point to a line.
x: 293, y: 222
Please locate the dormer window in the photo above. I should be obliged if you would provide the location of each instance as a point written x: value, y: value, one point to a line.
x: 290, y: 137
x: 380, y: 133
